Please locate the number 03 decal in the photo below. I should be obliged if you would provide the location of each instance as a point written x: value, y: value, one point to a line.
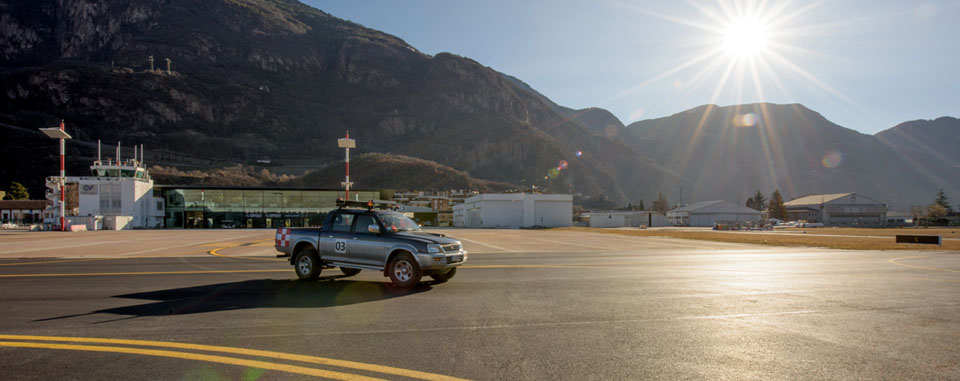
x: 340, y: 246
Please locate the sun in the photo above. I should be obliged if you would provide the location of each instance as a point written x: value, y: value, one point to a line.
x: 745, y: 37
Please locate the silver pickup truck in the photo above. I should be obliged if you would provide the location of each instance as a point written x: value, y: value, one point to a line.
x: 366, y: 238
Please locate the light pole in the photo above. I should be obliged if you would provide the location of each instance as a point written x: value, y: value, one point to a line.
x: 59, y: 133
x: 347, y: 143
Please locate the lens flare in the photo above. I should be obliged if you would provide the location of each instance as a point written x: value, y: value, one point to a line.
x: 579, y: 153
x: 610, y: 130
x: 563, y: 164
x: 745, y: 120
x: 832, y: 159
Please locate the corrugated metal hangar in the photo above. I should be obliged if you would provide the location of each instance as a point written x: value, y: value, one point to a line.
x: 514, y: 210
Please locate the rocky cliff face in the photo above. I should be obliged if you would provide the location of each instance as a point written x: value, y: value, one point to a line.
x: 276, y: 78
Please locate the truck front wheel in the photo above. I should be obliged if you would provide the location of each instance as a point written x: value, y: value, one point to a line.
x: 307, y: 265
x: 404, y: 272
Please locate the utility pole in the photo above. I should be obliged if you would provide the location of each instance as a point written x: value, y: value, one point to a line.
x: 347, y: 143
x: 60, y: 133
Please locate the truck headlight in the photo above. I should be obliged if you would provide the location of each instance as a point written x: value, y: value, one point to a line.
x: 433, y: 248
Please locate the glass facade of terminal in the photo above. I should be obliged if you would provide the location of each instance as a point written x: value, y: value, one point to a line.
x: 209, y: 208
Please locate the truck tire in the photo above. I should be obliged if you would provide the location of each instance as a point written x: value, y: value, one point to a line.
x: 349, y: 272
x: 443, y: 277
x: 307, y: 265
x: 404, y: 271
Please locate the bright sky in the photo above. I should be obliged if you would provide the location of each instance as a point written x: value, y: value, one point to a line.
x: 864, y: 64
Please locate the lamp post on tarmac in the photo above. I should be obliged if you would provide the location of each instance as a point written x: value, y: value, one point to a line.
x: 347, y: 143
x: 59, y: 133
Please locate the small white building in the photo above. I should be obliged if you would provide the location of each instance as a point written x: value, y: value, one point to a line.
x: 617, y: 219
x: 22, y: 211
x: 514, y: 210
x: 708, y: 213
x: 118, y: 196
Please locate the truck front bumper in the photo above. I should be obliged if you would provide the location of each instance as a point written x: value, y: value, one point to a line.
x: 441, y: 261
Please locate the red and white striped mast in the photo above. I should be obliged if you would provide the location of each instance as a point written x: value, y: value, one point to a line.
x: 60, y: 133
x: 347, y: 143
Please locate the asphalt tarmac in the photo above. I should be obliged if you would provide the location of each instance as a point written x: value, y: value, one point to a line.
x: 590, y: 307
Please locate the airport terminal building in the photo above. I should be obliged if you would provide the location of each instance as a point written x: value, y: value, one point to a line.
x: 208, y: 207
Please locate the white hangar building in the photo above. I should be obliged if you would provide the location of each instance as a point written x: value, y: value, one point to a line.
x: 708, y: 213
x: 840, y: 209
x: 514, y: 210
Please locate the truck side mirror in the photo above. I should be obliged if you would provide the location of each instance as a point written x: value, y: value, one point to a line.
x: 373, y: 228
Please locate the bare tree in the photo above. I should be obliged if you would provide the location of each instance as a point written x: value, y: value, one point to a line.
x: 661, y: 205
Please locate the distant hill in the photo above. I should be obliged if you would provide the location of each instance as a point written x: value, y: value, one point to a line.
x: 939, y: 138
x: 384, y: 171
x: 735, y: 150
x: 279, y: 79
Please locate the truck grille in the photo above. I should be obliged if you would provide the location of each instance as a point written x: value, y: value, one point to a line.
x: 450, y: 248
x: 454, y: 258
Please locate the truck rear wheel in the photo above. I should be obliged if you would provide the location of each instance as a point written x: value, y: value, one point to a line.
x: 307, y: 265
x: 349, y: 272
x: 404, y: 272
x: 443, y: 277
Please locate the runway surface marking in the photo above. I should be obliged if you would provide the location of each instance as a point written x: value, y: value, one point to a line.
x: 219, y: 359
x: 486, y: 244
x: 896, y: 262
x: 143, y: 273
x: 216, y: 252
x: 56, y: 261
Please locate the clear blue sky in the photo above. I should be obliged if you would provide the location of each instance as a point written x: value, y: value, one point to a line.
x: 864, y: 64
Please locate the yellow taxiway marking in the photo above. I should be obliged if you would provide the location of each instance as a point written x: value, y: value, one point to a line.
x: 241, y: 351
x: 142, y: 273
x: 894, y: 261
x: 57, y: 261
x: 191, y: 356
x: 216, y: 252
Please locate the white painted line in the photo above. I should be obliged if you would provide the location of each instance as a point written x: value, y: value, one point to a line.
x: 486, y: 244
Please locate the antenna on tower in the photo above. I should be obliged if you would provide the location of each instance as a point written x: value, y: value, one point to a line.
x: 118, y: 153
x: 150, y: 58
x: 168, y: 65
x: 98, y: 151
x: 141, y: 156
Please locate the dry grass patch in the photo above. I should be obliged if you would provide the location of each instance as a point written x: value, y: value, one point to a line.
x: 814, y: 237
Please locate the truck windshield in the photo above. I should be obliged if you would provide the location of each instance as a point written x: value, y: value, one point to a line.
x: 398, y: 223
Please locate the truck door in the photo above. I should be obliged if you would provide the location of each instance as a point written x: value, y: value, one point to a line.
x: 366, y: 248
x: 336, y: 240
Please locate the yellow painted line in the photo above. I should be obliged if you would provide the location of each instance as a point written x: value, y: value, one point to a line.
x: 58, y: 261
x: 248, y: 352
x: 894, y: 261
x: 216, y: 252
x: 219, y: 244
x: 191, y: 356
x: 142, y: 273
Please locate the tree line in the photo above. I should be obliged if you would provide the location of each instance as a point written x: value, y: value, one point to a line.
x: 774, y: 205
